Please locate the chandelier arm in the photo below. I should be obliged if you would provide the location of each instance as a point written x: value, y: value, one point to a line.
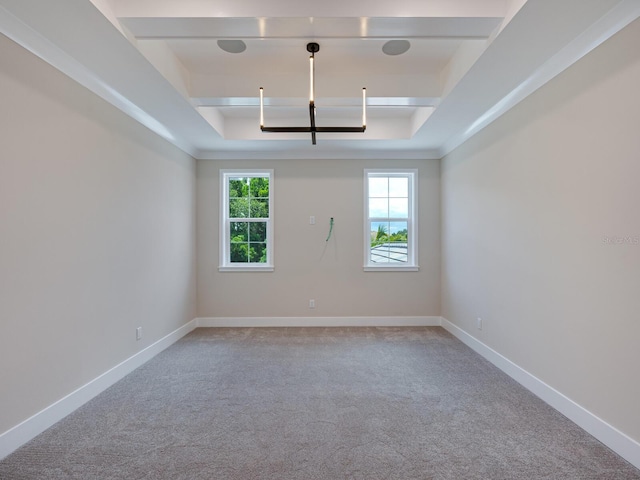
x: 340, y: 129
x: 287, y: 129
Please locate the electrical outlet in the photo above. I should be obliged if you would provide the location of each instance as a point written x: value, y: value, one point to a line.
x: 479, y: 323
x: 312, y: 220
x: 312, y: 303
x: 138, y: 333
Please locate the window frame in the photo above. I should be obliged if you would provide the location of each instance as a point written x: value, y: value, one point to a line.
x: 225, y: 264
x: 412, y: 220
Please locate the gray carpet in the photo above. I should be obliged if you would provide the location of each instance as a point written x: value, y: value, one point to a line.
x: 316, y: 403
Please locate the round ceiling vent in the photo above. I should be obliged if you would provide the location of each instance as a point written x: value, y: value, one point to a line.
x: 396, y: 47
x: 232, y: 46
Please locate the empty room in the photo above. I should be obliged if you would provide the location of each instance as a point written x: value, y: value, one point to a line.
x: 284, y: 239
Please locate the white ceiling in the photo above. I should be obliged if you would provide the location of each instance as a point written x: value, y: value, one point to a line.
x: 469, y: 62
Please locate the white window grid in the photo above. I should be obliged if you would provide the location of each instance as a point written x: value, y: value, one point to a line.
x: 394, y: 251
x: 225, y: 222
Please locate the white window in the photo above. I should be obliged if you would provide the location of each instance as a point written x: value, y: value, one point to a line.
x: 391, y: 220
x: 246, y: 220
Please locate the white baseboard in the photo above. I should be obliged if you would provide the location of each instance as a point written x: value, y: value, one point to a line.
x: 616, y: 440
x: 623, y: 445
x: 17, y: 436
x: 319, y: 322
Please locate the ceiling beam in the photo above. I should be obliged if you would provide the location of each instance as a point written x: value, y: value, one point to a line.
x: 310, y: 27
x: 298, y: 8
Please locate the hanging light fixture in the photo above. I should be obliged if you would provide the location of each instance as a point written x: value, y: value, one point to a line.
x: 314, y: 48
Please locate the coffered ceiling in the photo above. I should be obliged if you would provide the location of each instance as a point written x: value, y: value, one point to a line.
x: 191, y: 70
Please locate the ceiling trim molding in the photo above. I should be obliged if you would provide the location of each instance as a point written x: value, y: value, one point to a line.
x: 34, y: 42
x: 607, y: 26
x: 320, y: 154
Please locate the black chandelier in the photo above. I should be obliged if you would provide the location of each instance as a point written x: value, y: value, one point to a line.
x: 313, y: 48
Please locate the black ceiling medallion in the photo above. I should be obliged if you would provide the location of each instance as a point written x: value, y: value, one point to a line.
x: 314, y: 48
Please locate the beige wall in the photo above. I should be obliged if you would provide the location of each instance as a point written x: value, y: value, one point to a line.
x: 97, y: 236
x: 536, y: 210
x: 306, y: 266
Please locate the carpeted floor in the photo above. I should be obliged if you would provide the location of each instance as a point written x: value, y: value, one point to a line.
x: 316, y: 403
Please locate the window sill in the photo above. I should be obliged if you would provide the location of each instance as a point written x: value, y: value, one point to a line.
x: 245, y: 268
x: 395, y: 268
